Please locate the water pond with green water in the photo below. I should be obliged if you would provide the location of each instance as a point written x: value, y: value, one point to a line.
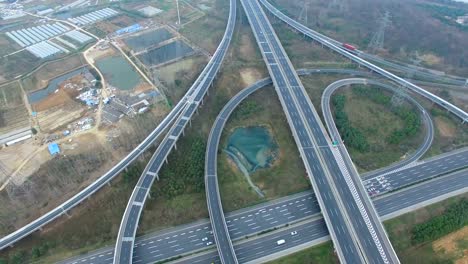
x: 119, y: 73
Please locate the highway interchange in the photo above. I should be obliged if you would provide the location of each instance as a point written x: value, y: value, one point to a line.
x: 313, y: 139
x: 357, y: 233
x: 240, y: 223
x: 278, y: 213
x: 425, y: 117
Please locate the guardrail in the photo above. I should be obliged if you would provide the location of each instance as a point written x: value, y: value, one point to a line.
x: 330, y: 44
x: 167, y: 144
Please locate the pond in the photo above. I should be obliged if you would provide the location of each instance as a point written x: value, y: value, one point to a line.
x: 39, y: 95
x: 253, y: 147
x: 171, y: 51
x: 148, y: 39
x: 118, y: 72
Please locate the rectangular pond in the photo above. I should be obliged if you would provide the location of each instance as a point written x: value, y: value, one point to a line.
x: 118, y: 72
x: 171, y: 51
x: 148, y: 39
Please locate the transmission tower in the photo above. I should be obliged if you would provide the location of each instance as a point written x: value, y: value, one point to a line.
x: 413, y: 68
x: 399, y: 96
x: 303, y: 14
x: 377, y: 40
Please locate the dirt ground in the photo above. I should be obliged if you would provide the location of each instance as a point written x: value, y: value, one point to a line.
x: 246, y: 48
x: 12, y: 157
x: 250, y: 75
x: 59, y: 98
x: 56, y: 117
x: 430, y: 59
x: 445, y: 129
x: 142, y: 87
x: 96, y: 53
x: 450, y: 244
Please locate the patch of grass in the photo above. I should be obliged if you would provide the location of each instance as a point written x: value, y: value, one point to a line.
x: 399, y: 230
x: 322, y: 254
x: 379, y: 122
x: 304, y: 53
x: 41, y: 76
x: 207, y: 31
x: 285, y: 176
x: 454, y: 217
x: 449, y: 132
x: 10, y: 95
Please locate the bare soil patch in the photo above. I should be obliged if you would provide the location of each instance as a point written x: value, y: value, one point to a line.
x: 431, y: 59
x: 450, y: 244
x: 60, y: 98
x: 445, y: 129
x: 250, y: 75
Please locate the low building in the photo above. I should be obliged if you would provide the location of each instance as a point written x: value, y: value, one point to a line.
x: 129, y: 29
x: 16, y: 136
x: 53, y: 149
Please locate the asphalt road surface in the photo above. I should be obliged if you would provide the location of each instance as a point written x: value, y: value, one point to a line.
x: 126, y: 236
x: 355, y: 228
x: 291, y: 210
x: 425, y: 117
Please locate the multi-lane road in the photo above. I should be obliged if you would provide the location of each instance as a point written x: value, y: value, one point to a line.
x: 126, y: 236
x: 355, y: 228
x: 296, y: 208
x: 326, y: 41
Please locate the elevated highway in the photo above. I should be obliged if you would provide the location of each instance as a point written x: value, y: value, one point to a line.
x: 102, y: 181
x: 126, y: 236
x: 354, y: 226
x: 332, y: 44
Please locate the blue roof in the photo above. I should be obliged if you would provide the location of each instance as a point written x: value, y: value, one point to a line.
x: 53, y: 148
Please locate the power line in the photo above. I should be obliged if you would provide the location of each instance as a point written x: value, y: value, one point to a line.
x: 377, y: 40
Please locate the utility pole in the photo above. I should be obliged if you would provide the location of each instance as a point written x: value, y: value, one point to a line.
x: 377, y: 40
x: 400, y: 94
x: 178, y: 13
x: 303, y: 14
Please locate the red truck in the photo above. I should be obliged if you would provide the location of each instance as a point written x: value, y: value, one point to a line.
x: 349, y: 47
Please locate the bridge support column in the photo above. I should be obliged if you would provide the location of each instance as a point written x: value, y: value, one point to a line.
x: 175, y: 145
x: 166, y: 161
x: 66, y: 213
x: 109, y: 184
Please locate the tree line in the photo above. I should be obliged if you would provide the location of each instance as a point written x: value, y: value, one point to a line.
x: 353, y: 137
x: 454, y: 218
x: 187, y: 172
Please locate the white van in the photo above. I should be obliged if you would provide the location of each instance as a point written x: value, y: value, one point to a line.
x: 280, y: 242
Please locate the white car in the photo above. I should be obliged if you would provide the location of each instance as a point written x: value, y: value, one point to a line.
x: 204, y: 239
x: 209, y: 243
x: 280, y: 242
x: 293, y: 233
